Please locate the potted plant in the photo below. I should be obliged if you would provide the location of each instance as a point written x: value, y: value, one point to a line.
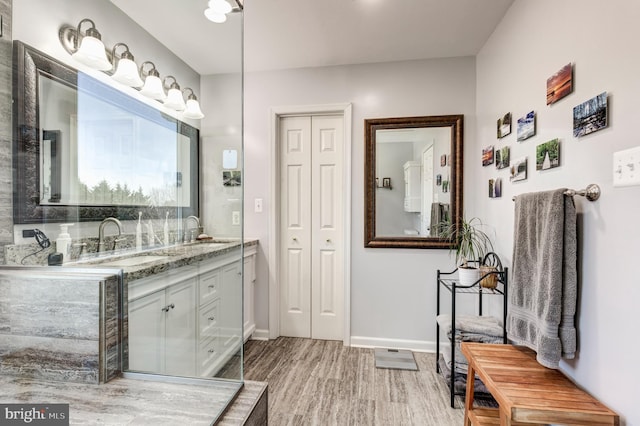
x: 471, y: 246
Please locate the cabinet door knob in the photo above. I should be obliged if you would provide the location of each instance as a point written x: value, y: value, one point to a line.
x: 165, y: 309
x: 172, y: 306
x: 328, y: 240
x: 295, y: 238
x: 212, y: 286
x: 211, y: 351
x: 211, y: 318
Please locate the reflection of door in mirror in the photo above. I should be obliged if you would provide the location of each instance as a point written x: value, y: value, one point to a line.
x: 409, y: 155
x: 427, y: 189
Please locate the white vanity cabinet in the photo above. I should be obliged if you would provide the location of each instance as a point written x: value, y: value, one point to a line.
x: 167, y: 340
x: 162, y: 323
x: 412, y: 197
x: 249, y: 280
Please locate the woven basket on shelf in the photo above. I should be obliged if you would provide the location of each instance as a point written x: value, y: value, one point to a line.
x: 490, y: 281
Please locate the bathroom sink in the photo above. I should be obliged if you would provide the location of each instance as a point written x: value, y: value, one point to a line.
x: 135, y: 261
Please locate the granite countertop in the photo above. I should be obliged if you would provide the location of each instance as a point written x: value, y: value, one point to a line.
x: 136, y: 265
x: 127, y: 401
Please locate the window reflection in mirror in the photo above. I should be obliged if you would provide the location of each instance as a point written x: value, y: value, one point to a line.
x: 106, y: 154
x: 86, y: 151
x: 413, y: 173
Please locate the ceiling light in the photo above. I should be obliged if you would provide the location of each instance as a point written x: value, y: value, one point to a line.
x: 218, y: 18
x: 192, y: 109
x: 220, y: 6
x: 127, y: 70
x: 152, y: 84
x: 174, y: 99
x: 91, y: 50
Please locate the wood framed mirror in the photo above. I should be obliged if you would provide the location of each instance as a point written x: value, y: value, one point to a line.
x: 84, y: 150
x: 413, y: 180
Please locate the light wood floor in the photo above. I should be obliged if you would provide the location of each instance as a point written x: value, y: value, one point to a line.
x: 317, y: 382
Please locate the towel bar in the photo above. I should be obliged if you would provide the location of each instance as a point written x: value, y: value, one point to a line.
x: 592, y: 192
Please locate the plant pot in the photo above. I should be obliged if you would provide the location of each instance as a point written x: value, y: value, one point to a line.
x: 468, y: 276
x: 490, y: 281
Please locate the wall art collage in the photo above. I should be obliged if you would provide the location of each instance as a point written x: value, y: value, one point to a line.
x: 588, y: 117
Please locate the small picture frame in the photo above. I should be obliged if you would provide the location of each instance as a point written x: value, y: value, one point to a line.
x: 386, y: 182
x: 438, y: 180
x: 502, y: 157
x: 231, y: 178
x: 548, y: 155
x: 519, y: 170
x: 560, y: 84
x: 495, y: 188
x: 590, y: 116
x: 504, y: 125
x: 443, y: 160
x: 487, y: 155
x: 526, y: 126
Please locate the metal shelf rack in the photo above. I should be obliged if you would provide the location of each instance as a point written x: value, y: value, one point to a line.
x: 450, y: 283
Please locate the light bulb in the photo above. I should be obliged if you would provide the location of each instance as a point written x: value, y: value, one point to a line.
x: 218, y: 18
x: 127, y: 73
x: 153, y: 88
x: 91, y: 53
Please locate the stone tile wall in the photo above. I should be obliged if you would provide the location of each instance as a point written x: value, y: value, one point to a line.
x: 6, y: 163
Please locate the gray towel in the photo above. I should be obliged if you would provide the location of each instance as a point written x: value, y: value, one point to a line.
x: 543, y: 287
x: 473, y: 326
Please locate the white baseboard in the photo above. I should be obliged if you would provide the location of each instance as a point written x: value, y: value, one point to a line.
x: 376, y: 342
x: 248, y: 332
x: 259, y: 334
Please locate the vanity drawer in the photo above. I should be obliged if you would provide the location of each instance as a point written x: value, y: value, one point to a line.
x: 209, y: 286
x: 209, y: 319
x: 208, y: 355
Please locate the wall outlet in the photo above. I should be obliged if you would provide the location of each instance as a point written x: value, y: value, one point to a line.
x: 235, y: 217
x: 626, y: 167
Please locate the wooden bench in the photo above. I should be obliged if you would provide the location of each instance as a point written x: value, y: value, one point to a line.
x: 527, y: 392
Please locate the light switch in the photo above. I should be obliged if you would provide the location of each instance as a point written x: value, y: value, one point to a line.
x: 258, y: 205
x: 626, y: 167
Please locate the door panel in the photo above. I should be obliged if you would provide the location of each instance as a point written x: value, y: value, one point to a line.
x: 295, y: 232
x: 327, y: 301
x: 311, y: 249
x: 180, y: 352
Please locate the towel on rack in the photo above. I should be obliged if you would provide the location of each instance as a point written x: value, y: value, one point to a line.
x: 472, y: 328
x: 543, y: 289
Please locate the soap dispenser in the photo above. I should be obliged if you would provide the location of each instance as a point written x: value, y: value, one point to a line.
x: 63, y: 242
x: 166, y: 230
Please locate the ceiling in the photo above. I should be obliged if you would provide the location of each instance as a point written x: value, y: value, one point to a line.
x: 282, y: 34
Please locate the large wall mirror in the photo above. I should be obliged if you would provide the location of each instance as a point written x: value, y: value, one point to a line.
x: 84, y: 150
x: 413, y: 180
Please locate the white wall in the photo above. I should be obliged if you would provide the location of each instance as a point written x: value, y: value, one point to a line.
x: 221, y: 130
x: 534, y: 40
x: 392, y: 290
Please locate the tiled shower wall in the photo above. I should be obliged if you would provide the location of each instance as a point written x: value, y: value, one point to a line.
x: 6, y: 164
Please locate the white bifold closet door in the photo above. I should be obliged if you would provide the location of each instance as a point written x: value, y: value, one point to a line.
x: 311, y: 226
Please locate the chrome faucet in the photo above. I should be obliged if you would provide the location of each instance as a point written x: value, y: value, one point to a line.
x: 101, y: 232
x: 187, y: 230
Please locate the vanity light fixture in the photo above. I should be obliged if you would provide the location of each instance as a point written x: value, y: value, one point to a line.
x: 89, y: 48
x: 174, y: 99
x: 192, y: 109
x: 127, y: 70
x: 152, y: 84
